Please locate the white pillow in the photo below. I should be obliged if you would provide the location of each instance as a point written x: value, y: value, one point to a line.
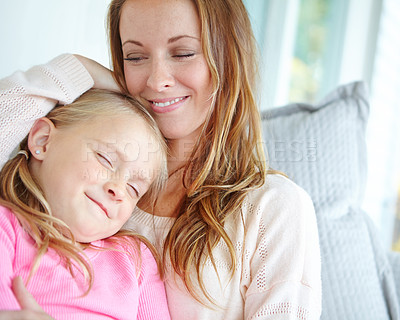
x: 322, y: 147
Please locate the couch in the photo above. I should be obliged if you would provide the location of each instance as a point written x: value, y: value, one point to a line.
x: 322, y: 148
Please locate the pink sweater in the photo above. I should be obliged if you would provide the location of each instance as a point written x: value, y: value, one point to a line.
x: 118, y: 291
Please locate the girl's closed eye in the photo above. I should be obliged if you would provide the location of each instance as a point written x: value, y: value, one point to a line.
x: 105, y: 160
x: 133, y: 191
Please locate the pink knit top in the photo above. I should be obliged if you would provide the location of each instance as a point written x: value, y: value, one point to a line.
x: 123, y: 288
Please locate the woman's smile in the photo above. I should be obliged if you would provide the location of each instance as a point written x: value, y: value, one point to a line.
x: 167, y: 105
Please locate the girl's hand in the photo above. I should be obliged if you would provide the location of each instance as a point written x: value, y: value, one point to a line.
x: 102, y: 76
x: 30, y: 308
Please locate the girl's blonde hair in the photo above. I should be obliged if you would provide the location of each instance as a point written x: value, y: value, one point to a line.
x: 228, y: 160
x: 20, y: 191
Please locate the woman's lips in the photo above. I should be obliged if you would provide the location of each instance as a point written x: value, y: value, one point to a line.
x: 167, y: 105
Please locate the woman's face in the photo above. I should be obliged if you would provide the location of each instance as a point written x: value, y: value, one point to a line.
x: 164, y: 63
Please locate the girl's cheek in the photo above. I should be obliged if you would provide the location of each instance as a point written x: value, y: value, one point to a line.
x: 95, y: 174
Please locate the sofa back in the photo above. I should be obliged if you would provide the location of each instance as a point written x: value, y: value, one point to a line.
x: 322, y: 148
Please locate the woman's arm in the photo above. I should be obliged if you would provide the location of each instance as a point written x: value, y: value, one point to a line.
x: 27, y: 96
x: 102, y: 76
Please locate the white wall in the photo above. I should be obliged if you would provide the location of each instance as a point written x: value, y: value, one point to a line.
x: 35, y: 31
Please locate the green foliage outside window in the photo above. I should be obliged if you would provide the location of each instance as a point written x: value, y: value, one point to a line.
x: 310, y: 48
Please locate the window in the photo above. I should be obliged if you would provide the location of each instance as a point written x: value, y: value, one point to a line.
x: 310, y: 64
x: 309, y: 47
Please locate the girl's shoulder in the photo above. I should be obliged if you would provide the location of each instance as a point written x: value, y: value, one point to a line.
x: 11, y: 230
x: 8, y: 218
x: 132, y: 248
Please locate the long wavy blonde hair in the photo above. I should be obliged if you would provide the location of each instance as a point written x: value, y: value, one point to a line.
x: 228, y: 160
x: 20, y: 191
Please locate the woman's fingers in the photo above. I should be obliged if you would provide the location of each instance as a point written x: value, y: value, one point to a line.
x: 23, y: 315
x: 30, y: 308
x: 25, y: 299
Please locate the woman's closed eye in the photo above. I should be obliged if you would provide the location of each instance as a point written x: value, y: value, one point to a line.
x: 135, y: 59
x: 184, y: 55
x: 105, y: 160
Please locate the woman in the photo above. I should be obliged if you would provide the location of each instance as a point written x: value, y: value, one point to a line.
x: 238, y: 242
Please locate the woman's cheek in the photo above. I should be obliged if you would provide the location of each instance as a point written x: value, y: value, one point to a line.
x: 132, y: 80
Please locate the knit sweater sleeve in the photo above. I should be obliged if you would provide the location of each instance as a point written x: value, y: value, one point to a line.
x: 8, y: 238
x: 27, y: 96
x: 152, y: 296
x: 283, y: 263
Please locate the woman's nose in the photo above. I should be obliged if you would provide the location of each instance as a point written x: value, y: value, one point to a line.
x: 160, y: 77
x: 114, y: 191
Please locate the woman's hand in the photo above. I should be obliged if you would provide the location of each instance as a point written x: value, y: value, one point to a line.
x: 102, y: 76
x: 30, y: 308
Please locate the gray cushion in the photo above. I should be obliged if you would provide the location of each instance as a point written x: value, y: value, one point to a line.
x: 322, y: 148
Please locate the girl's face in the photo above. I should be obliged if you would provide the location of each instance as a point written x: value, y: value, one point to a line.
x: 164, y: 63
x: 93, y: 174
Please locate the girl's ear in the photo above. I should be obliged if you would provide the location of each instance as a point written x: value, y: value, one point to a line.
x: 39, y: 137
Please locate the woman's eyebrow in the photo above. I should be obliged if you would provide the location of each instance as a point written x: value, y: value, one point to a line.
x: 133, y: 42
x: 171, y: 40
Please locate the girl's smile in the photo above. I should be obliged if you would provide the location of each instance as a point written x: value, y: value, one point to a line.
x: 99, y: 205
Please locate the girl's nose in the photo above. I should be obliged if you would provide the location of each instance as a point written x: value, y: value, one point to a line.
x: 160, y: 77
x: 114, y: 191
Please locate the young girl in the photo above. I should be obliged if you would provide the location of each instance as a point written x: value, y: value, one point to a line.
x: 64, y: 198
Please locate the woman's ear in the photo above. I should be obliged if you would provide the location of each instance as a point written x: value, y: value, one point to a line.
x: 39, y: 137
